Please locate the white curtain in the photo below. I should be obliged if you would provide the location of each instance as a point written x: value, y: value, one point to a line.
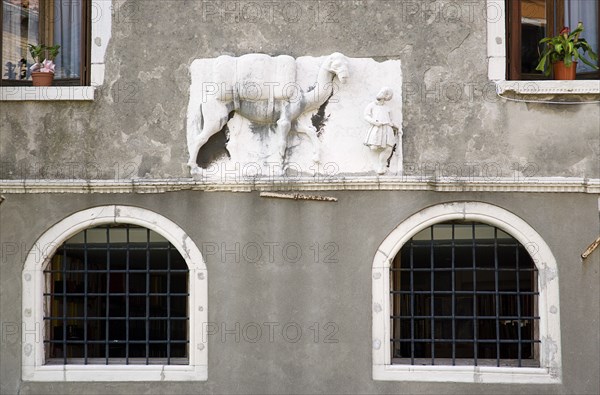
x: 67, y: 33
x: 585, y: 11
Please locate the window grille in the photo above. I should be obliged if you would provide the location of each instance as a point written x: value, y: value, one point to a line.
x: 464, y: 293
x: 116, y: 294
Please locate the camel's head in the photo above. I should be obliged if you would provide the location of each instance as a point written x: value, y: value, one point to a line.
x: 338, y: 65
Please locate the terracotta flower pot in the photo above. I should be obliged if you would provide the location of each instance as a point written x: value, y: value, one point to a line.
x: 42, y: 79
x: 562, y: 72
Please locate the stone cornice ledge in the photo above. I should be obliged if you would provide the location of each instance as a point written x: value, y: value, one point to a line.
x: 541, y: 184
x: 549, y: 87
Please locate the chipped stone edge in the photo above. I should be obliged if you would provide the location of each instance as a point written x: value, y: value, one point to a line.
x: 508, y: 184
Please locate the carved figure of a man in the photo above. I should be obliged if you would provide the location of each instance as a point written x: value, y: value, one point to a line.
x: 383, y: 133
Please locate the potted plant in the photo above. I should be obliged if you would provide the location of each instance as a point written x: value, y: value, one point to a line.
x: 42, y: 72
x: 561, y: 50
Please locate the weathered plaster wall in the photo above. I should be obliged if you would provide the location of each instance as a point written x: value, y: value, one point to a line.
x: 454, y: 124
x: 306, y: 292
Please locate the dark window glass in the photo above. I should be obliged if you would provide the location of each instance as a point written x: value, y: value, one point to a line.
x: 116, y: 294
x: 464, y: 294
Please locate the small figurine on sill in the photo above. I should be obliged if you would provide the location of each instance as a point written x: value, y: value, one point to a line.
x: 23, y: 69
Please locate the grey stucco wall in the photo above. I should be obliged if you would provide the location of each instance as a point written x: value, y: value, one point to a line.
x: 454, y: 123
x: 306, y: 292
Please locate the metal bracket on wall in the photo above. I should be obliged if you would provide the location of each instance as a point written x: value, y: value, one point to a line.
x: 591, y: 248
x: 298, y: 196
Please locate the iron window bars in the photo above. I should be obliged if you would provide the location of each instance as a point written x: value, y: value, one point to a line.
x: 116, y: 295
x: 464, y: 293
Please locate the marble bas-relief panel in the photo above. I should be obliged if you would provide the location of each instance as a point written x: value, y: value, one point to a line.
x: 283, y: 116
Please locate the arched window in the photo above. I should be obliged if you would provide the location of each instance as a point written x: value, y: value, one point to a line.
x: 465, y: 292
x: 114, y: 293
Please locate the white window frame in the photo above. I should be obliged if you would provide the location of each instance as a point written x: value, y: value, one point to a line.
x: 548, y: 301
x: 33, y: 367
x: 101, y: 32
x: 496, y: 52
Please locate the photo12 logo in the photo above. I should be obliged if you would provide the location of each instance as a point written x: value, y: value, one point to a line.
x: 253, y: 91
x: 271, y: 253
x: 270, y: 12
x: 449, y: 11
x: 236, y: 172
x: 270, y: 332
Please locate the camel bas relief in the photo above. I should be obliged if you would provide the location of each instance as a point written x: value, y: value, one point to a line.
x: 280, y: 102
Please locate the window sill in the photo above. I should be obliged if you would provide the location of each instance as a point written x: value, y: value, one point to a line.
x: 464, y: 374
x: 549, y: 87
x: 51, y: 373
x: 47, y: 93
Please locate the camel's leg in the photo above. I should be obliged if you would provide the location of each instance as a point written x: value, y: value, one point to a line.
x: 215, y: 114
x: 284, y: 124
x: 311, y: 132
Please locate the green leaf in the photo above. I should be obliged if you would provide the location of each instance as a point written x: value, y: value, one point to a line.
x: 558, y: 48
x: 36, y: 52
x: 541, y: 65
x: 584, y: 60
x: 53, y: 51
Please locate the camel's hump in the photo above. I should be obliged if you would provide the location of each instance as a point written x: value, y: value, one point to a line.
x: 264, y: 70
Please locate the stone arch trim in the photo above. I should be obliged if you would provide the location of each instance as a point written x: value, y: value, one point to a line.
x: 33, y: 368
x: 548, y: 301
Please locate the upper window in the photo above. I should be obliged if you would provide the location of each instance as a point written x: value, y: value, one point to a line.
x: 528, y: 21
x: 116, y: 294
x: 47, y: 22
x: 464, y: 293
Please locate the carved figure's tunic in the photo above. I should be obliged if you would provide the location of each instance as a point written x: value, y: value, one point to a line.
x: 379, y: 136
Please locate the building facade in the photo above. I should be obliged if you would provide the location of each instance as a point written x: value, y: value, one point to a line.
x: 459, y: 269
